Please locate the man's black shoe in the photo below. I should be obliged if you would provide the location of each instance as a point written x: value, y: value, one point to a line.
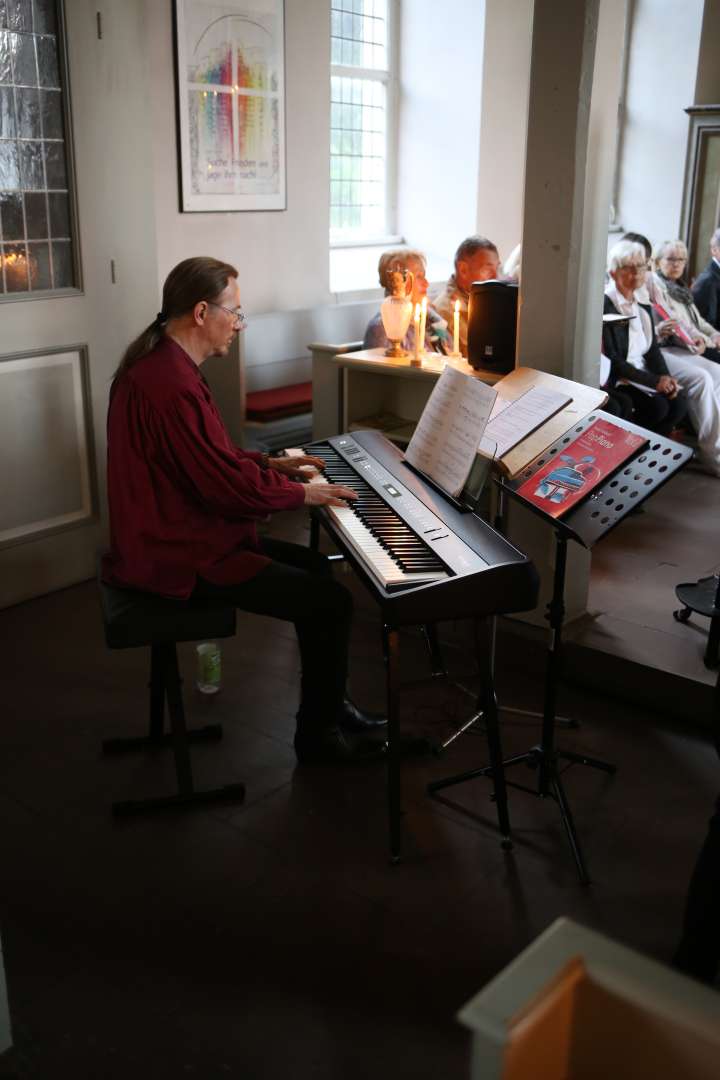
x: 363, y: 723
x: 333, y: 745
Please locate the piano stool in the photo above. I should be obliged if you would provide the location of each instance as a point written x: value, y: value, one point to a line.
x: 134, y: 619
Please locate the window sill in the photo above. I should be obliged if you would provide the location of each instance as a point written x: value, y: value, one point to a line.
x: 353, y: 269
x: 354, y: 276
x: 366, y: 242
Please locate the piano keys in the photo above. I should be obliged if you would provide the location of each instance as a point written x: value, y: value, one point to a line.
x: 422, y: 557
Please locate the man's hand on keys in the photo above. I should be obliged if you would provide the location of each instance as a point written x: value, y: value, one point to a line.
x: 300, y: 467
x: 328, y: 494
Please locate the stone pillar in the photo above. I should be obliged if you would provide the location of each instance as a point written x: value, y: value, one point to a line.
x: 561, y: 77
x: 575, y: 75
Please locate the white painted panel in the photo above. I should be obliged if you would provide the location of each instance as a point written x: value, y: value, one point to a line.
x: 42, y: 431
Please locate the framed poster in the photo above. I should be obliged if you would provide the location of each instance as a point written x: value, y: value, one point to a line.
x: 230, y: 80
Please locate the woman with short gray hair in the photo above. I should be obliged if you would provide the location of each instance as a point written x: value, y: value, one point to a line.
x: 629, y: 343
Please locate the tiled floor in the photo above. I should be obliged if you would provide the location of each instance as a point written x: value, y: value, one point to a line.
x: 274, y: 939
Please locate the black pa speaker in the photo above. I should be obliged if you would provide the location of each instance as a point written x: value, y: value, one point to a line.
x: 492, y: 325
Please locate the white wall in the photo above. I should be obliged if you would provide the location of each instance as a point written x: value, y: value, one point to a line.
x: 503, y: 128
x: 282, y: 256
x: 662, y: 73
x: 440, y: 72
x: 586, y: 328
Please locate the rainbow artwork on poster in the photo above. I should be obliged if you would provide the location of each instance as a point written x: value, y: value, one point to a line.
x: 231, y: 104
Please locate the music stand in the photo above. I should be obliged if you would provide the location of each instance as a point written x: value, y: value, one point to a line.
x: 624, y: 489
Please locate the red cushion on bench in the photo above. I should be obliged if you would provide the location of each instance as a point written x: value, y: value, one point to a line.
x: 282, y: 401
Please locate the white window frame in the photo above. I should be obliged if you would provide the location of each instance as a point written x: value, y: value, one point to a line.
x: 390, y: 80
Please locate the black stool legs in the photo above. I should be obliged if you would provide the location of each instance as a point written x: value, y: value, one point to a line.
x: 165, y: 684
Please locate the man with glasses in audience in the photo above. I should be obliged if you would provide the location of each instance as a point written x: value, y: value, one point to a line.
x: 476, y: 259
x: 185, y: 502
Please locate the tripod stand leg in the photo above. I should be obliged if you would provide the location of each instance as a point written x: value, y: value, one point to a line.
x: 497, y: 770
x: 436, y: 659
x: 583, y: 759
x: 488, y: 704
x: 487, y: 709
x: 391, y: 653
x: 474, y: 719
x: 710, y: 659
x: 559, y: 793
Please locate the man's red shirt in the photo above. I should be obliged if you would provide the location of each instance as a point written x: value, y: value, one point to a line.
x: 183, y: 500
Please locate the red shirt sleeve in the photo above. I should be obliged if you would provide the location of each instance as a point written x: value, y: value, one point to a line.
x: 202, y: 461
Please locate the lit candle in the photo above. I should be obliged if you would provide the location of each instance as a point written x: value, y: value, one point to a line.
x: 416, y: 326
x: 423, y: 321
x: 456, y: 328
x: 16, y: 271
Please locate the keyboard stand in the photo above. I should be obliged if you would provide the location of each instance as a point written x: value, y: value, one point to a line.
x: 486, y: 708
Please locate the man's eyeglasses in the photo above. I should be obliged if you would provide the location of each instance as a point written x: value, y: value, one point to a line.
x: 675, y: 258
x: 237, y: 313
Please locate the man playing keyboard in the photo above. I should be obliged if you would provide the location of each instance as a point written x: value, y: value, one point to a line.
x: 184, y: 503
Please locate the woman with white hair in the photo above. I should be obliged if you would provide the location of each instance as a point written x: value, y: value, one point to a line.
x: 681, y: 326
x: 688, y: 344
x: 629, y: 343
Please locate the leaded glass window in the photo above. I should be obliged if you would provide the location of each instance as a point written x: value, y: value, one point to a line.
x: 36, y: 226
x: 359, y: 119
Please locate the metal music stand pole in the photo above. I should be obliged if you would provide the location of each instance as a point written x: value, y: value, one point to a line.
x: 564, y: 721
x: 544, y: 757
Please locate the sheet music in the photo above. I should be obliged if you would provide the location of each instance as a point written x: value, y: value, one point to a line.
x: 446, y: 437
x: 499, y: 405
x: 522, y: 416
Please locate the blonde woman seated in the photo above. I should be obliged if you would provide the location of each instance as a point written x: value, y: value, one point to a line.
x: 698, y: 371
x: 436, y: 329
x: 685, y: 329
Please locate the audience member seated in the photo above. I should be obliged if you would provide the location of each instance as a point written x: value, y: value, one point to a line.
x: 436, y: 328
x: 511, y: 266
x: 619, y: 403
x: 641, y: 294
x: 706, y: 287
x: 698, y: 375
x: 476, y: 259
x: 636, y: 363
x: 685, y: 329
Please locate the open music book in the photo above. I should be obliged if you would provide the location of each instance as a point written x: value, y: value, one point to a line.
x: 513, y: 421
x: 464, y: 417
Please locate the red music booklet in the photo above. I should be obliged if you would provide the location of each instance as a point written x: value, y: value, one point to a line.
x: 584, y: 463
x: 682, y: 331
